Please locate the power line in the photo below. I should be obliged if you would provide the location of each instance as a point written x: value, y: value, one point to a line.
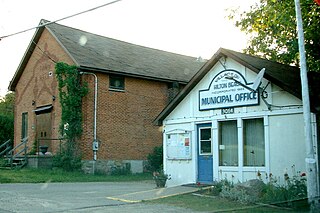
x: 51, y: 22
x: 44, y: 52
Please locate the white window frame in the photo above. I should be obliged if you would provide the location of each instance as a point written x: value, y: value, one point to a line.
x: 199, y: 141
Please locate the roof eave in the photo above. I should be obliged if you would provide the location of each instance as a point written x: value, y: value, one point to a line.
x: 32, y: 45
x: 115, y: 72
x: 204, y: 70
x: 185, y: 91
x: 25, y: 58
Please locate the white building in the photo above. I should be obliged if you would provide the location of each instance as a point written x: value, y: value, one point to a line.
x: 217, y: 127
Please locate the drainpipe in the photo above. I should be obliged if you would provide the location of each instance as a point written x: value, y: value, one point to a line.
x: 95, y: 141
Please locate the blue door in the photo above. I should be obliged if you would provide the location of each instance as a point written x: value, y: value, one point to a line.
x: 205, y: 161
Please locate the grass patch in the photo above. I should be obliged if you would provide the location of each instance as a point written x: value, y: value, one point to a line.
x: 215, y: 204
x: 57, y: 175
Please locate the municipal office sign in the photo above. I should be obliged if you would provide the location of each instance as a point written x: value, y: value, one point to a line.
x: 224, y: 92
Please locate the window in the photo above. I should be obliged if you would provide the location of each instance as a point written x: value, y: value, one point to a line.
x: 253, y: 142
x: 116, y: 82
x: 24, y: 125
x: 228, y: 143
x: 205, y: 141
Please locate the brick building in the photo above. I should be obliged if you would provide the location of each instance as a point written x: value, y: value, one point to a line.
x: 134, y: 84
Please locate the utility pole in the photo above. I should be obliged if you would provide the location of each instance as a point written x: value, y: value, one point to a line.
x: 312, y: 183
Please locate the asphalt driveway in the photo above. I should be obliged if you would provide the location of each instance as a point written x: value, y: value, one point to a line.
x: 86, y: 197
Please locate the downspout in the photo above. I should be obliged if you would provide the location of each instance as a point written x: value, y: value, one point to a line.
x: 95, y: 141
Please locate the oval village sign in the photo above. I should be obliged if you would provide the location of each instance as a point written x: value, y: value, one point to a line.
x: 224, y: 92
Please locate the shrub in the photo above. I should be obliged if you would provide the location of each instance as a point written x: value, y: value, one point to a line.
x: 217, y: 187
x: 255, y: 190
x: 69, y: 158
x: 121, y: 170
x: 155, y: 159
x: 295, y: 189
x: 247, y: 192
x: 6, y: 130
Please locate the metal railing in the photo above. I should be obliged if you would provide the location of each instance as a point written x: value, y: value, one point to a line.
x: 50, y: 143
x: 14, y: 156
x: 7, y: 147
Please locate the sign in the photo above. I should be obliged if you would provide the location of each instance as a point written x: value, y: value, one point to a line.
x: 227, y: 111
x: 178, y: 146
x: 224, y: 92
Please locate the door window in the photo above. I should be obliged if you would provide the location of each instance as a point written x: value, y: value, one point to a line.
x: 205, y: 147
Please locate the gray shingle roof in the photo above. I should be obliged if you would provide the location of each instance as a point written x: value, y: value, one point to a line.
x: 94, y: 52
x: 124, y: 58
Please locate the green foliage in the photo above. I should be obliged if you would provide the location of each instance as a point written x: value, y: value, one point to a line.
x: 7, y: 104
x: 69, y: 158
x: 160, y: 178
x: 71, y: 92
x: 6, y: 118
x: 218, y: 186
x: 291, y: 194
x: 155, y: 159
x: 34, y: 148
x: 295, y: 189
x: 121, y: 170
x: 27, y: 175
x: 6, y: 128
x: 273, y: 31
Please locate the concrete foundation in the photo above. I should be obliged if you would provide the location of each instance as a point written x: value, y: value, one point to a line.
x: 113, y: 166
x: 41, y: 161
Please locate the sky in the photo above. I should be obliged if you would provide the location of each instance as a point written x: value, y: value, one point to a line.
x: 190, y: 27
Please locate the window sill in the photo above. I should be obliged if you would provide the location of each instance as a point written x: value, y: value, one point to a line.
x: 116, y: 90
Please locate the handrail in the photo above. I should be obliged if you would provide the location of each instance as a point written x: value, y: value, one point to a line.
x: 8, y: 147
x: 17, y: 154
x: 23, y: 142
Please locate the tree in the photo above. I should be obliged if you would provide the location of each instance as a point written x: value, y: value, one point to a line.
x: 7, y: 104
x: 6, y: 118
x: 271, y: 25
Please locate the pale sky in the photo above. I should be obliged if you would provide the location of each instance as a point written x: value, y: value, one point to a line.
x: 189, y: 27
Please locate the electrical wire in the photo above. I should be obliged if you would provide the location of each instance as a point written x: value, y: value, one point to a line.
x: 44, y: 52
x: 51, y: 22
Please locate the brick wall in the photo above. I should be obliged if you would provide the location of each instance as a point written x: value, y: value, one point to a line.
x: 36, y: 88
x: 124, y: 121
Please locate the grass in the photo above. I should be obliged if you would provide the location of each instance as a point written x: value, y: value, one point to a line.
x: 216, y: 204
x: 56, y: 175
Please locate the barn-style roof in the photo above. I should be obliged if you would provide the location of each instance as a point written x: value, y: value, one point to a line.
x: 102, y: 54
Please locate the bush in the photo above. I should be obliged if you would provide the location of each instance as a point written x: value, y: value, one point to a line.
x: 247, y: 192
x: 121, y: 170
x: 69, y: 158
x: 295, y: 189
x: 217, y: 187
x: 292, y: 194
x: 155, y: 159
x: 6, y: 130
